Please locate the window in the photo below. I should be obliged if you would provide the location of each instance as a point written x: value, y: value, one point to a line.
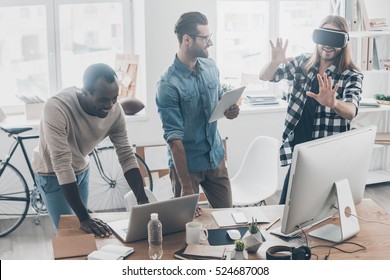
x: 297, y: 21
x: 45, y: 45
x: 243, y: 28
x: 23, y: 52
x: 244, y: 31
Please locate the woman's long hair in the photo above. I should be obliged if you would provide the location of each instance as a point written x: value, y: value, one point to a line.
x: 344, y: 60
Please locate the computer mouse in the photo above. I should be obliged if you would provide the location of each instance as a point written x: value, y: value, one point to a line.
x: 234, y: 234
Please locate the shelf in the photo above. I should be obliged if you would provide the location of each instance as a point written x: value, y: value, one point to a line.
x: 378, y: 176
x: 369, y: 109
x: 376, y: 71
x: 378, y: 146
x: 372, y: 33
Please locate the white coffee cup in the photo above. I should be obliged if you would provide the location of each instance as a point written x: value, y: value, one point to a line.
x: 195, y: 233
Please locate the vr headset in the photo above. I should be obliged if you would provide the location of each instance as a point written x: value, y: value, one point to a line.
x: 330, y: 37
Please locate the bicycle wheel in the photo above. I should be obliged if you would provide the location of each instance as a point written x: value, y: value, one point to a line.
x: 108, y: 187
x: 14, y: 199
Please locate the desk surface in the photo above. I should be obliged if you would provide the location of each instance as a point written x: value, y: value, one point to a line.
x: 374, y: 236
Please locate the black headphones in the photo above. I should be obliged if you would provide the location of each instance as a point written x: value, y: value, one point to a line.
x: 300, y: 253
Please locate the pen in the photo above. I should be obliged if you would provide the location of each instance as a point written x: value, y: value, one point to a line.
x: 271, y: 224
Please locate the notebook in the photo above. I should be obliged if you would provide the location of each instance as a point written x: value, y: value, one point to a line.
x: 173, y: 213
x: 201, y: 252
x: 228, y: 99
x: 111, y: 252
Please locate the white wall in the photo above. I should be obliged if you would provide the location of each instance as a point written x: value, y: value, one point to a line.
x: 378, y: 8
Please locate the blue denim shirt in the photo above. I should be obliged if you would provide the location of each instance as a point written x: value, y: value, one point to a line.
x: 185, y: 101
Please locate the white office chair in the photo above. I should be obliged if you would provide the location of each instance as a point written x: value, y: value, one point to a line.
x: 130, y: 199
x: 257, y: 177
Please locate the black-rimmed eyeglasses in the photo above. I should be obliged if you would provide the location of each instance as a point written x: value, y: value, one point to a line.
x: 206, y: 38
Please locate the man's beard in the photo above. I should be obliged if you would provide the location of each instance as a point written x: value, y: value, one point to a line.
x: 198, y: 52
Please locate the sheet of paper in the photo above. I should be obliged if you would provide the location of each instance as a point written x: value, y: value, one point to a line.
x: 156, y: 157
x: 224, y: 218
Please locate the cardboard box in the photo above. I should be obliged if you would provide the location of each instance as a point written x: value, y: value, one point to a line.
x: 33, y: 110
x: 73, y: 246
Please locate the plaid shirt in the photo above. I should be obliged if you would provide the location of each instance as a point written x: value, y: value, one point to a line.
x: 326, y: 121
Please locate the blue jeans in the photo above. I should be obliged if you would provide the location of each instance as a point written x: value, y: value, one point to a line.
x: 54, y: 198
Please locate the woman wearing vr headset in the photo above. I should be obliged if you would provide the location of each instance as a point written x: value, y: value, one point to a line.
x: 326, y: 88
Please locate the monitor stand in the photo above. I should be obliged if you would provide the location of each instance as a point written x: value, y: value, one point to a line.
x: 349, y: 225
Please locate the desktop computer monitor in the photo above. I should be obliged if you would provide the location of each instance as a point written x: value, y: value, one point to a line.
x: 328, y: 175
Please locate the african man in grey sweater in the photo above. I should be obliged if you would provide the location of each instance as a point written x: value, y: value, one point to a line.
x: 73, y: 122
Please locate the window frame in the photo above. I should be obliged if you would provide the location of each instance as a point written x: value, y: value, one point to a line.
x: 53, y: 37
x: 274, y: 27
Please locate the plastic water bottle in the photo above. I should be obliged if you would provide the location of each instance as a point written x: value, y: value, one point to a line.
x: 155, y: 237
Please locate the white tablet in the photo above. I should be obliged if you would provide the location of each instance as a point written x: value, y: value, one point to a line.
x: 228, y: 99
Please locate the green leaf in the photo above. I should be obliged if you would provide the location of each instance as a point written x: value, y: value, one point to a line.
x: 380, y: 96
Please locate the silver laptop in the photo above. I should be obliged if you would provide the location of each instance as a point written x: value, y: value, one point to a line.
x: 173, y: 213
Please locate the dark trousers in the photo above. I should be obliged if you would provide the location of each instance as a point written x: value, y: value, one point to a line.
x: 285, y: 187
x: 215, y: 185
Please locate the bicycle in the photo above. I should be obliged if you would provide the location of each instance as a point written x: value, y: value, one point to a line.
x: 108, y: 185
x: 15, y: 196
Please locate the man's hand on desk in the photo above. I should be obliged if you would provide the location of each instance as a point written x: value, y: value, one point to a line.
x: 189, y: 191
x: 96, y: 226
x: 198, y: 212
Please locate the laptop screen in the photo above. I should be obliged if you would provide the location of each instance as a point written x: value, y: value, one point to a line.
x: 173, y: 213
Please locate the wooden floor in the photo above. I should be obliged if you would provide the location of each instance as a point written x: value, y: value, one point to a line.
x: 33, y: 242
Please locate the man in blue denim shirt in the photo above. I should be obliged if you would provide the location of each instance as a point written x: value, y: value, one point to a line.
x: 187, y: 94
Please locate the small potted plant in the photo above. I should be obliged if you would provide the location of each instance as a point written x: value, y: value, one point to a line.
x: 226, y: 87
x: 382, y: 99
x: 239, y: 252
x: 253, y: 237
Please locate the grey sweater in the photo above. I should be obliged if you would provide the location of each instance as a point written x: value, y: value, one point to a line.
x: 68, y: 135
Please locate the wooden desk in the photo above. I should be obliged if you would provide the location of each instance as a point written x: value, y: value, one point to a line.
x: 374, y: 236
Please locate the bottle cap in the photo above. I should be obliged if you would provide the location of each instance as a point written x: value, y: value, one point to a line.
x: 154, y: 216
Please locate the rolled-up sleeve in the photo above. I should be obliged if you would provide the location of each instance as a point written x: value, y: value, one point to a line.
x: 289, y: 69
x: 353, y: 88
x: 168, y: 104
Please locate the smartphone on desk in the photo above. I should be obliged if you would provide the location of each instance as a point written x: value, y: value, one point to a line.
x: 239, y: 218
